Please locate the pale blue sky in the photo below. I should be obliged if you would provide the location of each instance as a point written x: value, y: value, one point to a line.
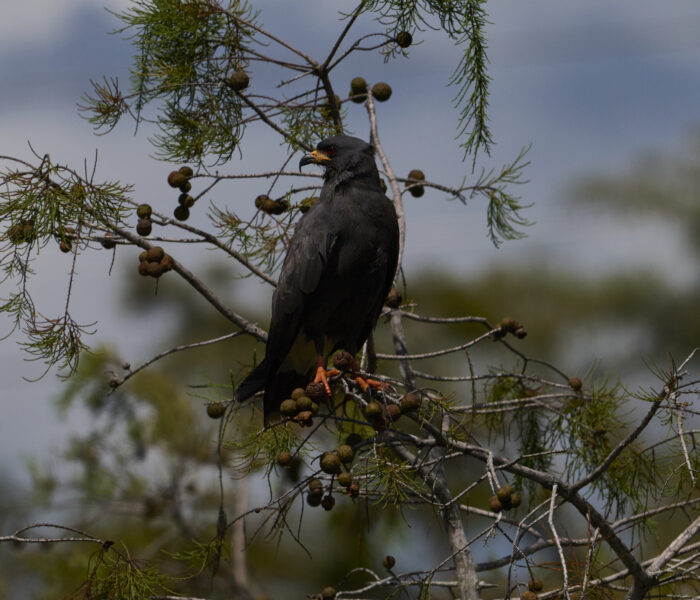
x: 590, y: 84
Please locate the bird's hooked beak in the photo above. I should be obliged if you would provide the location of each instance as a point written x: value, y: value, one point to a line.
x: 316, y: 157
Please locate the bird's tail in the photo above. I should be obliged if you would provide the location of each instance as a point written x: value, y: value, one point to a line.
x: 277, y: 388
x: 253, y: 383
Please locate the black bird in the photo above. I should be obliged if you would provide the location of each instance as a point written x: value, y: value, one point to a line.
x: 337, y: 273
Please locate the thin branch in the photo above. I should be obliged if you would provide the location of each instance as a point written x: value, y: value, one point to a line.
x: 269, y: 35
x: 170, y: 351
x: 17, y: 536
x: 550, y: 520
x: 201, y: 287
x: 674, y: 548
x: 272, y: 124
x: 435, y: 353
x: 395, y: 191
x: 603, y: 467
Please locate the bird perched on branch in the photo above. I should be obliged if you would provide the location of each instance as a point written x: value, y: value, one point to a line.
x: 338, y: 270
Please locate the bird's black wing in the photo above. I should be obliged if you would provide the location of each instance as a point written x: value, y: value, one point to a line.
x: 302, y: 271
x: 304, y: 267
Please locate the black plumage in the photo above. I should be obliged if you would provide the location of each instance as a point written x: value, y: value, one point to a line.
x: 338, y: 270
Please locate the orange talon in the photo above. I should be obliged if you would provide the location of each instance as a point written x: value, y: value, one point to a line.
x: 322, y: 377
x: 362, y: 383
x: 366, y: 383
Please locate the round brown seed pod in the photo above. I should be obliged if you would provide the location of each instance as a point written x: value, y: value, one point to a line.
x: 330, y: 463
x: 328, y: 592
x: 394, y: 412
x: 78, y: 192
x: 328, y: 502
x: 504, y: 492
x: 304, y: 418
x: 185, y: 187
x: 270, y: 206
x: 306, y: 204
x: 154, y: 254
x: 417, y: 190
x: 289, y: 408
x: 404, y: 39
x: 358, y: 85
x: 316, y: 390
x: 186, y: 171
x: 238, y: 81
x: 154, y: 269
x: 381, y: 91
x: 65, y: 246
x: 167, y: 262
x: 416, y: 174
x: 298, y: 393
x: 509, y: 325
x: 388, y: 562
x: 185, y: 200
x: 142, y: 256
x: 176, y: 179
x: 345, y: 479
x: 144, y: 211
x: 515, y: 500
x: 345, y: 454
x: 316, y: 484
x: 410, y: 402
x: 16, y: 233
x: 216, y: 410
x: 274, y: 207
x: 144, y: 227
x: 575, y: 384
x: 313, y: 499
x: 393, y: 299
x: 495, y: 504
x: 108, y: 241
x: 284, y: 458
x: 304, y: 403
x: 143, y: 268
x: 357, y: 97
x: 354, y: 489
x: 181, y: 213
x: 535, y: 585
x: 342, y: 360
x: 373, y: 410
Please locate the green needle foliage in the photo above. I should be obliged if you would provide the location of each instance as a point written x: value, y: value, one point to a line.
x: 51, y: 204
x: 464, y: 21
x: 186, y: 53
x: 199, y: 492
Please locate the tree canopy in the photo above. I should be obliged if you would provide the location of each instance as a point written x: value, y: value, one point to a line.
x: 493, y: 469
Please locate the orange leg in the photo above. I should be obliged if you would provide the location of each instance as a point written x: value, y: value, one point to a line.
x: 367, y: 383
x: 322, y: 375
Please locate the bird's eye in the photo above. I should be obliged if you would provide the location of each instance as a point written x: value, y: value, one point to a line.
x: 331, y: 151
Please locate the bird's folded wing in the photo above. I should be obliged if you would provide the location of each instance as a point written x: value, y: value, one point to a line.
x: 302, y: 272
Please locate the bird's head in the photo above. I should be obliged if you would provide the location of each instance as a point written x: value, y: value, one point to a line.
x: 344, y: 157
